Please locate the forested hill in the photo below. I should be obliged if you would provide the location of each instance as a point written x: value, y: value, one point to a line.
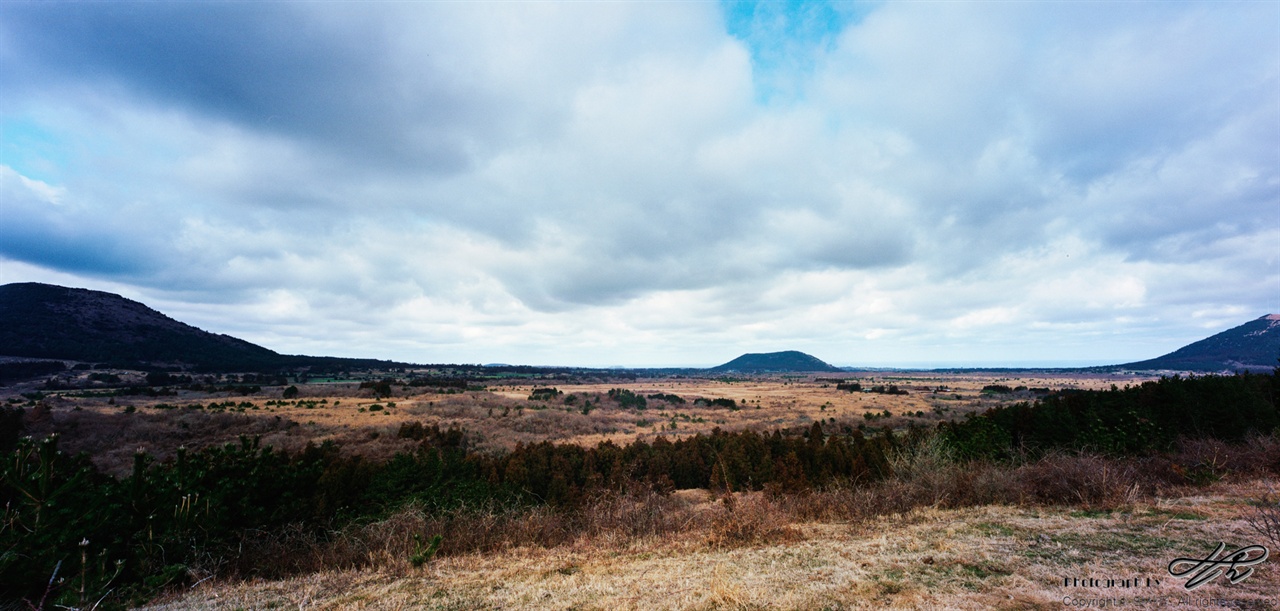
x: 55, y: 322
x: 1253, y: 346
x: 775, y: 362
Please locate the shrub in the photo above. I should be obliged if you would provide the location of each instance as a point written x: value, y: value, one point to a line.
x: 627, y: 399
x: 669, y: 398
x: 380, y: 388
x: 1083, y: 479
x: 424, y: 550
x: 544, y: 394
x: 749, y: 518
x: 1265, y: 518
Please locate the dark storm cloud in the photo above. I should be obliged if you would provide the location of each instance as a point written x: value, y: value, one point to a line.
x: 73, y: 251
x: 318, y: 76
x: 38, y: 229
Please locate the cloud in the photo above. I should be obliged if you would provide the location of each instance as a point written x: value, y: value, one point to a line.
x: 314, y: 76
x: 39, y: 227
x: 647, y: 183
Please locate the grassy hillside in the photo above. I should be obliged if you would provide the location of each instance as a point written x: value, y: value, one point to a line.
x: 1253, y: 346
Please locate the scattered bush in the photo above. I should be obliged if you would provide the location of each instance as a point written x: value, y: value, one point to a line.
x: 719, y: 402
x: 380, y: 388
x: 627, y: 399
x: 545, y: 394
x: 669, y: 398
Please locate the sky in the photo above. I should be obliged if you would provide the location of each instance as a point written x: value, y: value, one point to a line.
x: 654, y: 183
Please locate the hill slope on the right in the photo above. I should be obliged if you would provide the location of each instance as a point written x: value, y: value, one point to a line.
x: 1253, y: 346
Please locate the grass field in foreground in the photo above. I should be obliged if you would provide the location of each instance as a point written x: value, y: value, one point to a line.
x: 989, y: 557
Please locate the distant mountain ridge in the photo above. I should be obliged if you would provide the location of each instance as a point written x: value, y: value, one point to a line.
x: 43, y: 321
x: 789, y: 361
x: 1253, y: 346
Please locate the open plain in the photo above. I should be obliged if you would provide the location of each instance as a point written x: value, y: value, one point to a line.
x: 111, y: 427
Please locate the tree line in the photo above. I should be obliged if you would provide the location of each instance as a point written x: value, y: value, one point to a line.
x: 1149, y: 417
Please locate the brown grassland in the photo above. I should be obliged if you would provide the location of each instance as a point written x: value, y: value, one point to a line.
x: 938, y: 534
x: 502, y: 415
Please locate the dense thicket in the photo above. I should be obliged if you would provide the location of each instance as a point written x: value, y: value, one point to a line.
x: 25, y: 370
x: 133, y: 535
x: 1131, y: 420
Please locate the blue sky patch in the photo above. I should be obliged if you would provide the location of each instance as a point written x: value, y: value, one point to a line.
x: 786, y: 37
x: 31, y: 149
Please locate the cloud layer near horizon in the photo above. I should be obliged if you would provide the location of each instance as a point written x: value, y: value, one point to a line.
x: 645, y: 184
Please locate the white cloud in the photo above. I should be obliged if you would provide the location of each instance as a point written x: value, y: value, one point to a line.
x: 17, y: 189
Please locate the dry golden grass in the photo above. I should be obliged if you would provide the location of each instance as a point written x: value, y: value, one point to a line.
x: 503, y: 415
x: 987, y: 557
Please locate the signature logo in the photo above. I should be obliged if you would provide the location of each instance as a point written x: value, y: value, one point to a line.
x: 1237, y: 565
